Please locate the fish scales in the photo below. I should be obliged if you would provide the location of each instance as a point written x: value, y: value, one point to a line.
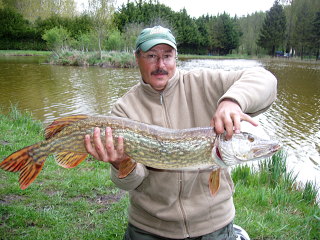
x: 153, y: 146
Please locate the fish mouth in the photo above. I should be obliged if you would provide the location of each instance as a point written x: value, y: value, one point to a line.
x: 267, y: 151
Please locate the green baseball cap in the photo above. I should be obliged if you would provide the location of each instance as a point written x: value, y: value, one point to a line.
x: 149, y: 37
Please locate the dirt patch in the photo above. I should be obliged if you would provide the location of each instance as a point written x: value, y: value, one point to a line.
x: 103, y: 199
x: 4, y: 142
x: 109, y: 198
x: 8, y: 199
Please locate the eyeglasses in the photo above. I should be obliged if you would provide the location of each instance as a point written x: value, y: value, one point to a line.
x: 152, y: 58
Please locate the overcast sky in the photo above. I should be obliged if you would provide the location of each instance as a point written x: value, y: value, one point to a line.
x: 196, y: 8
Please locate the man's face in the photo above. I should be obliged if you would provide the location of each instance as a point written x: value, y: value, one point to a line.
x: 157, y: 65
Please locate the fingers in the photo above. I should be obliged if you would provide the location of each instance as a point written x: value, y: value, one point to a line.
x: 109, y: 144
x: 95, y: 148
x: 227, y: 124
x: 228, y: 119
x: 250, y: 120
x: 105, y: 150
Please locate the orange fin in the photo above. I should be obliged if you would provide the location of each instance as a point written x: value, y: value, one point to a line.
x: 70, y: 159
x: 16, y: 161
x: 57, y: 125
x: 29, y: 173
x: 23, y: 161
x: 126, y: 167
x: 214, y: 181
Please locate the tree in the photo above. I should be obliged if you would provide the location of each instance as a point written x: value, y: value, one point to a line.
x: 101, y: 12
x: 272, y: 33
x: 114, y: 41
x: 316, y: 34
x: 250, y: 27
x: 34, y: 9
x: 187, y: 34
x: 15, y: 31
x: 301, y: 37
x: 57, y: 38
x: 223, y: 34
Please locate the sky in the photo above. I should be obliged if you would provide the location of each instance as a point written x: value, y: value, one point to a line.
x: 196, y: 8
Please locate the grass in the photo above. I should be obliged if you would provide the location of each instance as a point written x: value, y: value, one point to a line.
x: 24, y: 53
x: 83, y: 203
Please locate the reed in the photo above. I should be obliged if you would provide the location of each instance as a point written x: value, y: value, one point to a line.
x: 80, y: 58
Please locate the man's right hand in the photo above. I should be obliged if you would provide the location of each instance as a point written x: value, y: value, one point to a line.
x: 108, y: 152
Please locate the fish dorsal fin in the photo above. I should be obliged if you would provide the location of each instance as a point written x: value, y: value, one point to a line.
x: 57, y: 125
x: 69, y: 159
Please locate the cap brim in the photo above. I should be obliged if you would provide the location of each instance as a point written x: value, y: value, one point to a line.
x: 146, y: 46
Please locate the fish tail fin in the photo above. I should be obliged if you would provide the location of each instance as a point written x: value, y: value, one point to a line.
x: 29, y: 165
x: 214, y: 181
x: 60, y: 123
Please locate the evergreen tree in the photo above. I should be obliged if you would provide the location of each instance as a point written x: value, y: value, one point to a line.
x: 272, y: 33
x: 316, y: 34
x: 303, y: 14
x: 223, y: 34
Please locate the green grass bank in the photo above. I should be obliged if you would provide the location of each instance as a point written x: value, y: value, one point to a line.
x: 83, y: 203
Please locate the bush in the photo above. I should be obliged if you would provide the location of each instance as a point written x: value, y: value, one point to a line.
x: 57, y: 38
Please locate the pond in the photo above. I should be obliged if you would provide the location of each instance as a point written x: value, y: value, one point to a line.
x: 50, y: 91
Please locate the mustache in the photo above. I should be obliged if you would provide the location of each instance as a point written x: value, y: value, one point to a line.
x: 159, y: 71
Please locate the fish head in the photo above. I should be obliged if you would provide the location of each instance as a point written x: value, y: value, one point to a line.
x: 243, y: 147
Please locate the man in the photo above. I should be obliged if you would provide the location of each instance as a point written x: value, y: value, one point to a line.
x: 178, y: 204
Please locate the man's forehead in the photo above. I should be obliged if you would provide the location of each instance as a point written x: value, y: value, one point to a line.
x: 163, y: 48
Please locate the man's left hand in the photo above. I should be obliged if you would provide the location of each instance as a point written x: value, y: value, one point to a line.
x: 228, y: 117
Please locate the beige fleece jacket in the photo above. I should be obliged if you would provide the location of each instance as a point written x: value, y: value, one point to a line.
x: 178, y: 204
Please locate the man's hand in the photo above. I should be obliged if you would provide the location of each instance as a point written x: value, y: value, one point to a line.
x: 107, y: 152
x: 228, y: 117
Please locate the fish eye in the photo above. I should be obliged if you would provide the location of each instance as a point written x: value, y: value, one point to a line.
x: 251, y: 139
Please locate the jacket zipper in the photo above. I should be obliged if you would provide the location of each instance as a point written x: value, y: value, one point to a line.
x: 181, y: 205
x: 161, y: 98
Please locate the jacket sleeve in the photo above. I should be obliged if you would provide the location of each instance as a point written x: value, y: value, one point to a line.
x: 255, y: 89
x: 135, y: 178
x: 132, y: 181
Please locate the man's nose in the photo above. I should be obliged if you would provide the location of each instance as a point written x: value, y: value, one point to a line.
x: 160, y: 61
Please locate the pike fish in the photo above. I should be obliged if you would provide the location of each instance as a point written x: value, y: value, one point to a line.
x: 155, y: 147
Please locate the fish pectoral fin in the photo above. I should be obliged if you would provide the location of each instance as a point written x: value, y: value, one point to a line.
x: 214, y: 181
x: 70, y: 159
x: 57, y: 125
x: 126, y: 167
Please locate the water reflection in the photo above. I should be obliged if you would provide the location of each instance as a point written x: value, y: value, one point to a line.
x: 51, y: 91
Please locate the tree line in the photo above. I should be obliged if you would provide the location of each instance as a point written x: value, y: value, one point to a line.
x: 290, y: 27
